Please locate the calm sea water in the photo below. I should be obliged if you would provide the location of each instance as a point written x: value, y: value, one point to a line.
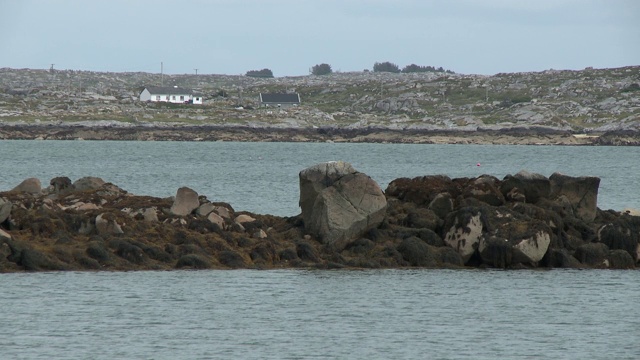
x: 295, y: 314
x: 263, y: 177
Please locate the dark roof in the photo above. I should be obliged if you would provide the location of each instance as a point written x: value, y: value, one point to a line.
x: 280, y: 98
x: 168, y: 90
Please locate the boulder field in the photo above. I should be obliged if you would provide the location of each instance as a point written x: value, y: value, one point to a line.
x: 347, y: 221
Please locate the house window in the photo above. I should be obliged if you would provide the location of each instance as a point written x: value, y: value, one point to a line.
x: 157, y: 97
x: 181, y: 97
x: 173, y: 97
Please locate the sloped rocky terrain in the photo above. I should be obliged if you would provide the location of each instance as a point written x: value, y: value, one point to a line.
x: 590, y: 101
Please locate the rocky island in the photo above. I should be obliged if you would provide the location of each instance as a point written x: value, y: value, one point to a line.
x: 553, y: 107
x: 522, y: 221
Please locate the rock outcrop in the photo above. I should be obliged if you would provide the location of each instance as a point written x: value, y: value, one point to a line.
x: 339, y: 204
x: 521, y: 221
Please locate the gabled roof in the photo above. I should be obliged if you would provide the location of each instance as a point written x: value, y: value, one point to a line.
x: 168, y: 90
x: 280, y: 98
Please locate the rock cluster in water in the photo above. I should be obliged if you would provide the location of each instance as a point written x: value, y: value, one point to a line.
x: 521, y: 221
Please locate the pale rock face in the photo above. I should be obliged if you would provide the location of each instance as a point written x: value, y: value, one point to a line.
x: 88, y: 183
x: 185, y: 202
x: 260, y: 234
x: 465, y: 242
x: 5, y: 209
x: 205, y: 209
x: 85, y: 206
x: 150, y: 214
x: 30, y: 185
x: 241, y: 219
x: 532, y: 250
x: 317, y: 178
x: 339, y: 204
x: 216, y: 219
x: 223, y: 211
x: 580, y: 192
x: 4, y: 235
x: 104, y: 225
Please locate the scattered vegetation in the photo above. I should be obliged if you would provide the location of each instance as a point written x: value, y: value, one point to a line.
x: 413, y: 68
x: 264, y: 73
x: 321, y: 69
x: 386, y: 67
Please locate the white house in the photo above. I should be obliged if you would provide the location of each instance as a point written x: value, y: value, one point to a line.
x: 173, y: 94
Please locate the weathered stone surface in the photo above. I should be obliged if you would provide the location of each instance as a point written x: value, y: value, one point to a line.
x: 532, y: 186
x: 243, y: 219
x: 30, y: 185
x: 223, y: 212
x: 107, y: 224
x: 205, y: 209
x: 416, y: 252
x: 88, y: 183
x: 561, y: 258
x: 5, y: 209
x: 581, y: 193
x: 592, y: 254
x: 185, y: 202
x: 60, y: 184
x: 441, y: 205
x: 341, y: 212
x: 620, y: 259
x: 484, y: 189
x: 315, y: 179
x: 623, y: 234
x: 216, y: 219
x: 463, y: 231
x: 422, y: 190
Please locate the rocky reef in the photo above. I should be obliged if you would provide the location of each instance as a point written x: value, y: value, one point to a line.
x: 347, y: 221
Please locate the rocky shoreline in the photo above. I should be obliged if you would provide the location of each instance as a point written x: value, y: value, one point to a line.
x: 155, y: 132
x: 522, y: 221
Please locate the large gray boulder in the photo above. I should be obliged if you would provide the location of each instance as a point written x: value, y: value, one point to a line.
x: 580, y: 192
x: 340, y: 204
x: 533, y: 186
x: 30, y: 185
x: 185, y: 202
x: 315, y: 179
x: 88, y: 183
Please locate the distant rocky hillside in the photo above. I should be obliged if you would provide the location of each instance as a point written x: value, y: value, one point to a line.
x: 590, y: 100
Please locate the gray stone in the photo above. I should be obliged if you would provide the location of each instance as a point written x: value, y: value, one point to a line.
x: 107, y: 224
x: 5, y: 209
x: 216, y: 219
x: 88, y: 183
x: 581, y: 192
x: 185, y: 202
x: 346, y: 205
x: 205, y: 209
x: 315, y: 179
x: 30, y: 185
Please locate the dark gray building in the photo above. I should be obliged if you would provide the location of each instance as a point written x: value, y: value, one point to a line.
x: 279, y: 100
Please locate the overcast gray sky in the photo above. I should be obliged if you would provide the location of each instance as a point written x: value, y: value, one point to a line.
x: 290, y: 36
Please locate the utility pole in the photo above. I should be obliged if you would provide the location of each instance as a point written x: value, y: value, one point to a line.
x: 51, y: 68
x: 196, y: 71
x: 161, y: 73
